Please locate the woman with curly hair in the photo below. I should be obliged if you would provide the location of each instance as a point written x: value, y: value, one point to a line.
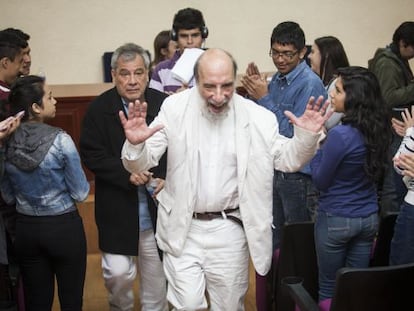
x: 345, y: 170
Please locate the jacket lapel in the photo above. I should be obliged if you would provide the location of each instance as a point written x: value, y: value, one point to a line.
x: 243, y: 139
x: 192, y: 139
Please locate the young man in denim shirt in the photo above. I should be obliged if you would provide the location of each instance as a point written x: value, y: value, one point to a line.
x: 294, y: 196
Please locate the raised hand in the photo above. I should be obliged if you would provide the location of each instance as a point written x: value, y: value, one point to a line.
x: 400, y: 127
x: 135, y: 127
x: 314, y: 117
x: 255, y: 85
x: 252, y: 69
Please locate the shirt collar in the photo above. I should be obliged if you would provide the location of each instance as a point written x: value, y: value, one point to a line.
x: 125, y: 103
x: 4, y: 85
x: 293, y: 74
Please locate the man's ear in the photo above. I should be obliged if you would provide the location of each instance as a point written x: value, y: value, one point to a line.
x: 4, y: 62
x: 302, y: 52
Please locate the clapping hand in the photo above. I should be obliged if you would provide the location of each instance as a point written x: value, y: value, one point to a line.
x: 254, y: 83
x: 406, y: 163
x: 135, y: 126
x: 400, y: 127
x: 314, y: 117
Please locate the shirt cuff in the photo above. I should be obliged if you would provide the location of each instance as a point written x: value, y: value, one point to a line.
x: 132, y: 152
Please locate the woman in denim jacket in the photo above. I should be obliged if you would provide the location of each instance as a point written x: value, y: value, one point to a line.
x: 44, y: 177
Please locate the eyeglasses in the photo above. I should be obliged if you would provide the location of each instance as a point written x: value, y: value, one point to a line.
x: 287, y: 55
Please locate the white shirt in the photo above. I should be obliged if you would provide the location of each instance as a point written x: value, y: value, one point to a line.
x: 217, y: 162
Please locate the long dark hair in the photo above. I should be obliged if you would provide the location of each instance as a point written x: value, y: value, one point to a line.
x: 366, y: 110
x: 333, y: 56
x: 161, y: 41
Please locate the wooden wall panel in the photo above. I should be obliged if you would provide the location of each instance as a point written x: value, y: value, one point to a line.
x: 69, y: 115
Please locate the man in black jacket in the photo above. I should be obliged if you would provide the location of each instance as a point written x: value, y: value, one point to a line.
x: 123, y: 206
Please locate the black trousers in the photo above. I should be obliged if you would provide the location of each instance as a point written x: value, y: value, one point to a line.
x: 49, y: 247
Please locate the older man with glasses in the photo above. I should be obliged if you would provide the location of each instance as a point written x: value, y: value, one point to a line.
x: 294, y: 195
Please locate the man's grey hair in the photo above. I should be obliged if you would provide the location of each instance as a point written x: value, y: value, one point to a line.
x: 128, y: 52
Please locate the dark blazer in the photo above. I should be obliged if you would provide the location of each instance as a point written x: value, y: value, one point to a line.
x: 116, y: 199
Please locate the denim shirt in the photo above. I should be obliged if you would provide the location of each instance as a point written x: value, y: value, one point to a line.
x: 144, y: 215
x: 53, y: 187
x: 291, y: 92
x: 145, y: 222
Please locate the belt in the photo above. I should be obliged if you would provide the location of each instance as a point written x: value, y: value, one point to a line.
x: 293, y: 176
x: 223, y: 214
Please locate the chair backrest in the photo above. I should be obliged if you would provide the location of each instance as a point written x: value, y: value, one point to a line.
x: 374, y: 289
x: 297, y: 258
x: 383, y: 241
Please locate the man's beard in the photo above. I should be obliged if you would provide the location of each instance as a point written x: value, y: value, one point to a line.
x: 216, y: 115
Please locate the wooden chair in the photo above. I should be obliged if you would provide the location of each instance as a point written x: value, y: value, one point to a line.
x: 370, y: 289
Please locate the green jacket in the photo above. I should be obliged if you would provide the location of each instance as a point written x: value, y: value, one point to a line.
x: 394, y: 78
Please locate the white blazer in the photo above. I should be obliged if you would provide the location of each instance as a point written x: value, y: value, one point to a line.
x: 259, y: 148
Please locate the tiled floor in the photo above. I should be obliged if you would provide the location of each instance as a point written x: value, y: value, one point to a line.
x: 95, y: 295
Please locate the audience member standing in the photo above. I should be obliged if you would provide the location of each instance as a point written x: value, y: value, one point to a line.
x: 189, y: 31
x: 326, y: 56
x: 124, y: 210
x: 7, y: 288
x: 27, y: 59
x: 44, y: 178
x: 345, y: 170
x: 402, y: 243
x: 164, y: 48
x: 294, y: 195
x: 11, y: 58
x: 395, y: 77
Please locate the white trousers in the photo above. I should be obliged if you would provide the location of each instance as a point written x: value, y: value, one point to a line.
x: 119, y: 272
x: 215, y: 258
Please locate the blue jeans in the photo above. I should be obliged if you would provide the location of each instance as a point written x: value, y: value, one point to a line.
x: 342, y: 242
x: 402, y: 243
x: 295, y: 199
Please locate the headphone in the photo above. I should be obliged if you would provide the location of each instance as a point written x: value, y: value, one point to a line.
x: 204, y: 33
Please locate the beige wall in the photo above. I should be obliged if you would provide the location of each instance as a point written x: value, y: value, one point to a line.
x: 69, y: 37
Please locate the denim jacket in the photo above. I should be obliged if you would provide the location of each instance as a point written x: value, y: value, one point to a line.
x: 43, y: 174
x: 291, y: 92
